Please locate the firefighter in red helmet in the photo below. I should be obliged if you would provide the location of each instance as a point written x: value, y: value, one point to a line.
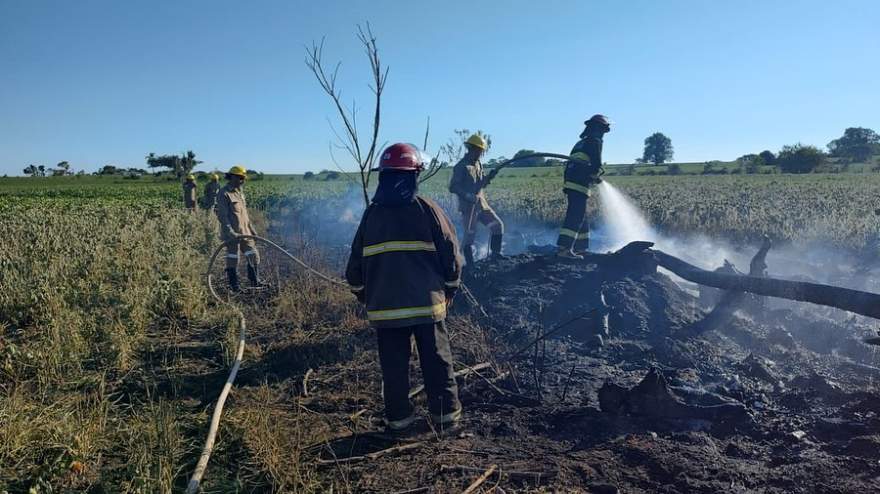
x: 405, y: 267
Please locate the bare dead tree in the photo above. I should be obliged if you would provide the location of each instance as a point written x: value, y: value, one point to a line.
x: 435, y: 165
x: 350, y: 140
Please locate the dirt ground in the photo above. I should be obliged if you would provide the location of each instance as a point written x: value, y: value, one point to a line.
x: 780, y: 397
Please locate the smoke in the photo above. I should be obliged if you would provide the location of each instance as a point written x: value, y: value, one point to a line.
x: 331, y: 223
x: 622, y: 220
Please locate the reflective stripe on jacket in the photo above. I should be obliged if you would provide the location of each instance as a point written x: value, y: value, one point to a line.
x: 404, y: 259
x: 580, y: 172
x: 232, y: 210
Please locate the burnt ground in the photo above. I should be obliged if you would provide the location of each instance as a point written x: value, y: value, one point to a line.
x: 780, y: 397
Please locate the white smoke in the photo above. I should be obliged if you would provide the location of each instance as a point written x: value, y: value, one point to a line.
x: 622, y: 220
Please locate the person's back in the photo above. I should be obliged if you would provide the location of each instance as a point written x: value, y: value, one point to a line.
x: 189, y: 192
x: 402, y: 264
x: 405, y: 267
x: 211, y: 191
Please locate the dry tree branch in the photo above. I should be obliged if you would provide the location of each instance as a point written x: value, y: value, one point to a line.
x: 427, y: 132
x: 350, y: 140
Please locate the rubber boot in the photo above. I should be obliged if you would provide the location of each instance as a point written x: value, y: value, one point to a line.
x: 566, y: 253
x: 232, y: 277
x: 495, y: 246
x: 581, y: 247
x: 468, y: 251
x: 254, y: 276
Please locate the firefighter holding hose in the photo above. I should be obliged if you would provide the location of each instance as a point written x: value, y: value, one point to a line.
x: 467, y: 184
x: 232, y: 212
x: 405, y: 268
x: 582, y: 171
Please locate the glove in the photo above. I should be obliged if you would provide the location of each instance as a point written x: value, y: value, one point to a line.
x: 450, y: 296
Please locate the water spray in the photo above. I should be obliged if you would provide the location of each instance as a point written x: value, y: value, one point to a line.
x: 624, y: 221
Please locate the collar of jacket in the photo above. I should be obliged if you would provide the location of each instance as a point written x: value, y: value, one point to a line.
x: 594, y: 133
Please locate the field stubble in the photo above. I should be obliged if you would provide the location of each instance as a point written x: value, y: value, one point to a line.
x: 103, y: 287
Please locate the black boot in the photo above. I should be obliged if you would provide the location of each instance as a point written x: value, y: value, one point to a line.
x: 495, y: 246
x: 254, y: 276
x: 468, y: 251
x: 232, y: 277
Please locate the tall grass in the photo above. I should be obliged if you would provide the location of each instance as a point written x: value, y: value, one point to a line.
x: 81, y: 290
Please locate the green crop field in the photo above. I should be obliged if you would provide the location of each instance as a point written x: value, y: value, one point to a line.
x: 99, y: 274
x: 837, y: 208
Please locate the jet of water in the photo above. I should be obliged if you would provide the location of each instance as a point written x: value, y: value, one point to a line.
x: 623, y: 221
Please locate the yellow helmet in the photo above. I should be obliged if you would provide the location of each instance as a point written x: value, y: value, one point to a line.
x: 237, y: 170
x: 190, y: 177
x: 215, y: 177
x: 477, y: 141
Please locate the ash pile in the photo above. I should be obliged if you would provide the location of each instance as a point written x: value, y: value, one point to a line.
x: 701, y: 389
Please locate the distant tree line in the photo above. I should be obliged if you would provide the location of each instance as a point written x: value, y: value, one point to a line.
x: 857, y: 145
x: 176, y: 166
x: 60, y: 170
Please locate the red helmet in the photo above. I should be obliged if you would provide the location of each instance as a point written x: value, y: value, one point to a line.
x: 599, y: 119
x: 401, y: 156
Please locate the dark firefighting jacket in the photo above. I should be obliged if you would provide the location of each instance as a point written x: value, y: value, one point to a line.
x: 404, y: 261
x: 583, y: 171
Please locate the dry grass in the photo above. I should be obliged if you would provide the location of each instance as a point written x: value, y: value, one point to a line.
x: 99, y: 386
x: 83, y: 289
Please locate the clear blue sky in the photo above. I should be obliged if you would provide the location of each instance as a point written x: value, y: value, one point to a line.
x: 101, y: 82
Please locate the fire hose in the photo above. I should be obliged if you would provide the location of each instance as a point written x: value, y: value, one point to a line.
x: 208, y: 448
x: 505, y: 163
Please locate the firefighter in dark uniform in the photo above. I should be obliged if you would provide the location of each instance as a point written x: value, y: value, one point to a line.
x: 405, y: 267
x: 581, y: 172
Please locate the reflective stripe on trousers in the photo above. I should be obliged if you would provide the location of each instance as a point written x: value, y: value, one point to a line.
x: 575, y: 230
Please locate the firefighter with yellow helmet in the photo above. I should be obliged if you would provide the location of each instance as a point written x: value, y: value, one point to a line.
x: 211, y: 191
x: 232, y: 212
x: 189, y: 192
x: 467, y: 184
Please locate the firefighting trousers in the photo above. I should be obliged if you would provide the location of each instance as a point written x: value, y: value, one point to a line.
x: 485, y: 216
x: 247, y: 247
x: 435, y: 357
x: 575, y: 231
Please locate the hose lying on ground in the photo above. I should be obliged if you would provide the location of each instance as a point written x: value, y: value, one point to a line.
x: 208, y: 448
